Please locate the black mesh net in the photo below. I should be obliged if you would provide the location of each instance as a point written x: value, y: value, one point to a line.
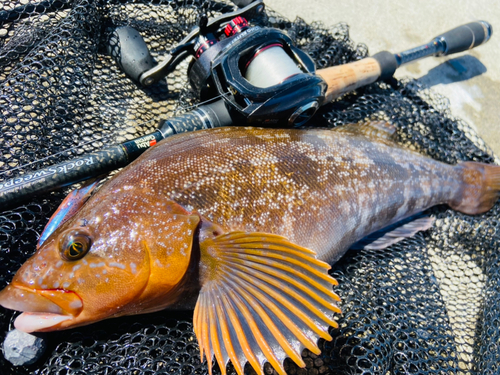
x: 427, y: 305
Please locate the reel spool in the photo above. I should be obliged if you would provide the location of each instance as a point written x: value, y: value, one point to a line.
x: 263, y: 77
x: 270, y: 66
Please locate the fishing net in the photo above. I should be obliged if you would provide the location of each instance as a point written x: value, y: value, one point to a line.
x: 429, y: 304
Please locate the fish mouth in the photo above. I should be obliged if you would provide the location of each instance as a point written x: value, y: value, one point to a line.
x: 43, y: 309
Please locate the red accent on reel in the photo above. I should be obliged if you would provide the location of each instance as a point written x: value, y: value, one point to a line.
x: 237, y: 25
x: 204, y: 46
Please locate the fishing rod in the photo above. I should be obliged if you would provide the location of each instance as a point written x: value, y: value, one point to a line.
x: 383, y: 65
x: 249, y: 75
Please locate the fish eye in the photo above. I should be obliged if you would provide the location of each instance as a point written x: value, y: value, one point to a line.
x: 74, y: 244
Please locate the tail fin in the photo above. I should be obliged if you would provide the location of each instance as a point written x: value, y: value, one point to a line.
x: 480, y: 190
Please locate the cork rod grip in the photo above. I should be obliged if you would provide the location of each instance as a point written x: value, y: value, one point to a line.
x: 344, y: 78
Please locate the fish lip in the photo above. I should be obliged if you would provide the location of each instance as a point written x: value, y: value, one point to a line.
x: 40, y: 322
x: 43, y: 301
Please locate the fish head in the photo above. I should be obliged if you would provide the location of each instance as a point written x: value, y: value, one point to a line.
x: 102, y: 263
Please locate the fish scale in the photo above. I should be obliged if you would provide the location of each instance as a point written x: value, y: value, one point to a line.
x: 294, y: 186
x: 240, y: 224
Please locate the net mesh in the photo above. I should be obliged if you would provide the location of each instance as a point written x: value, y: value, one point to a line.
x: 429, y: 304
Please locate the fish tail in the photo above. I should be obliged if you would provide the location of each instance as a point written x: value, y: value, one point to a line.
x: 480, y: 188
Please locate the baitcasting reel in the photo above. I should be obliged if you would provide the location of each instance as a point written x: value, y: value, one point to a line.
x: 261, y: 76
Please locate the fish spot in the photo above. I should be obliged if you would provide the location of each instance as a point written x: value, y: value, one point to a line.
x: 117, y: 265
x: 66, y: 285
x: 71, y: 275
x: 44, y: 286
x: 59, y: 264
x: 56, y: 284
x: 133, y: 267
x: 77, y: 267
x: 40, y: 280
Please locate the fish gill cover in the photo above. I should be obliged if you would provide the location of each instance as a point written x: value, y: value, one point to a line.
x: 429, y: 304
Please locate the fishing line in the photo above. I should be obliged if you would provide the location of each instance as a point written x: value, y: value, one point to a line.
x: 262, y: 70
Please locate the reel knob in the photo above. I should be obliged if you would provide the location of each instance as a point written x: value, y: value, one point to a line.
x: 130, y: 51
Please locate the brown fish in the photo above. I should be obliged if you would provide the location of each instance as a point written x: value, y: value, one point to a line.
x: 239, y: 223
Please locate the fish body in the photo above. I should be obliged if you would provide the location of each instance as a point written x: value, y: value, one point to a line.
x: 241, y: 224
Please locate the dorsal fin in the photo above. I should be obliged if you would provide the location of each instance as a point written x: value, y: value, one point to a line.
x: 262, y: 299
x: 381, y: 131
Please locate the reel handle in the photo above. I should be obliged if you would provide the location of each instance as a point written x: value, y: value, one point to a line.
x: 128, y: 49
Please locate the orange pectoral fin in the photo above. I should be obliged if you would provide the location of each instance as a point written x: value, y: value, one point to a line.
x: 262, y: 299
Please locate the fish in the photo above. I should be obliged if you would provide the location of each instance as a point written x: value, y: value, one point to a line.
x: 241, y: 225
